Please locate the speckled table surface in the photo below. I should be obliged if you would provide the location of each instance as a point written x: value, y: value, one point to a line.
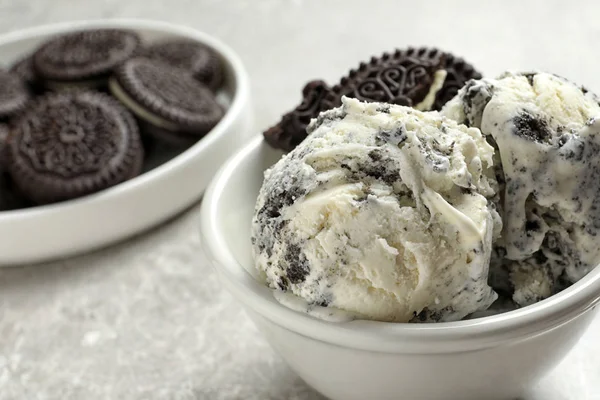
x: 146, y: 319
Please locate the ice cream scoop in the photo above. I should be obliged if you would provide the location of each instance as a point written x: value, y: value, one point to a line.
x: 383, y: 212
x: 547, y: 136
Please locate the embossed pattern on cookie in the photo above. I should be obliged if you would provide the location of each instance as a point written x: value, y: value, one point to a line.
x: 85, y: 57
x: 71, y: 144
x: 13, y: 95
x: 424, y: 78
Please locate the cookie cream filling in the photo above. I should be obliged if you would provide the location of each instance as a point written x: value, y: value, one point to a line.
x: 139, y: 110
x: 439, y: 77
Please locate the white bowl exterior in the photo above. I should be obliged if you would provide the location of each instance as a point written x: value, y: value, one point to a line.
x: 49, y: 232
x: 343, y: 373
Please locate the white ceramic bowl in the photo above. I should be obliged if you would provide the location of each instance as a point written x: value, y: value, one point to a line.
x: 495, y: 357
x: 62, y: 229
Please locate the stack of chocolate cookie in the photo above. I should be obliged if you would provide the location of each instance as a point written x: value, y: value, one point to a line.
x: 423, y: 78
x: 76, y: 114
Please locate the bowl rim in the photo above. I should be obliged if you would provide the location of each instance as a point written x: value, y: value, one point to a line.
x: 445, y: 337
x: 240, y: 85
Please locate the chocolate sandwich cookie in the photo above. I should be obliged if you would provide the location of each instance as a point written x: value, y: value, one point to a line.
x: 404, y: 77
x: 169, y: 103
x: 84, y: 58
x: 458, y: 73
x: 10, y: 199
x: 200, y: 60
x: 423, y: 78
x: 14, y: 95
x: 24, y: 70
x: 71, y: 144
x: 3, y: 147
x: 291, y: 130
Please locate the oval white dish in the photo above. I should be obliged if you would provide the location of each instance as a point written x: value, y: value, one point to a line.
x: 62, y: 229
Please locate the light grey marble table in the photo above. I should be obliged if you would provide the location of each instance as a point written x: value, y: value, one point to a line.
x: 146, y: 319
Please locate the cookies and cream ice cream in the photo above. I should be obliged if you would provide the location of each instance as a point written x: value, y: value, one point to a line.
x: 547, y: 136
x: 384, y: 212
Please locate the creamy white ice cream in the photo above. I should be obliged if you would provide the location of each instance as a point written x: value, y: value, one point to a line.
x: 382, y: 212
x: 548, y: 139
